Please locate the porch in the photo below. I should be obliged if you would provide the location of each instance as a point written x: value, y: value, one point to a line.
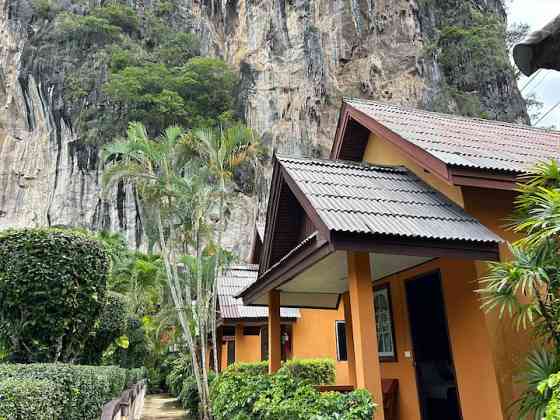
x: 401, y: 259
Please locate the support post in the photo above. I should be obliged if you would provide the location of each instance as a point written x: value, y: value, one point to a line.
x: 351, y: 357
x: 274, y: 347
x: 219, y: 339
x: 360, y: 289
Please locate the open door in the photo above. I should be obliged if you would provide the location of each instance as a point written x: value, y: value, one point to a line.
x: 435, y: 372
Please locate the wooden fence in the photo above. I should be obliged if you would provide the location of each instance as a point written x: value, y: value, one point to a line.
x: 128, y: 406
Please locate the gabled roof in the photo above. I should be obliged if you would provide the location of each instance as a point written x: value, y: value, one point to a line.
x: 541, y: 49
x: 233, y: 281
x: 378, y: 200
x: 466, y: 142
x: 320, y: 207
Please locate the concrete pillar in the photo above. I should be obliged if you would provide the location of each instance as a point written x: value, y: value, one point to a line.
x: 368, y: 369
x: 349, y: 339
x: 274, y: 347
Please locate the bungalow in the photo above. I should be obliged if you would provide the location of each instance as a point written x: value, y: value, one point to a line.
x: 409, y: 207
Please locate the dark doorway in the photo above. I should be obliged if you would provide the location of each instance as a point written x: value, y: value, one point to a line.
x: 435, y: 373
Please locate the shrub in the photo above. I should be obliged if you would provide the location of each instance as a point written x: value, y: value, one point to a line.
x: 550, y: 388
x: 189, y: 395
x: 111, y: 325
x: 118, y: 15
x: 52, y: 290
x: 23, y: 399
x: 281, y: 397
x: 314, y: 371
x: 256, y: 368
x: 180, y: 369
x: 83, y: 389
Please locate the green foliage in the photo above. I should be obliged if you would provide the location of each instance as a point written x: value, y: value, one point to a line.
x: 195, y: 94
x: 84, y: 31
x: 470, y: 46
x: 189, y: 395
x: 251, y: 369
x: 78, y: 391
x: 111, y: 325
x: 180, y: 369
x: 527, y: 288
x: 533, y: 402
x: 551, y: 385
x: 23, y: 399
x: 313, y: 371
x: 138, y: 350
x: 52, y: 290
x: 282, y: 397
x: 118, y: 15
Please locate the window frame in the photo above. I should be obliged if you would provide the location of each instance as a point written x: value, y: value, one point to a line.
x: 336, y: 324
x: 386, y: 287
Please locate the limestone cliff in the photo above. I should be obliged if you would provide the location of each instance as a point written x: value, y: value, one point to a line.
x: 297, y: 58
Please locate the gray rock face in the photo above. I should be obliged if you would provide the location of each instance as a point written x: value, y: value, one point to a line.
x: 297, y: 59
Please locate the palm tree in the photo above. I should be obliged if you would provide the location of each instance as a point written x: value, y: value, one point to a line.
x: 224, y: 151
x: 175, y: 203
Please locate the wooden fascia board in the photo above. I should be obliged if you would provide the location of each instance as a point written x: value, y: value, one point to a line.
x: 340, y: 130
x: 271, y: 211
x: 287, y: 270
x: 415, y: 247
x: 491, y: 180
x: 306, y: 204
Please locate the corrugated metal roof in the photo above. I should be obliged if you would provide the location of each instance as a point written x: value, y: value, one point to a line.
x: 233, y: 281
x: 466, y: 142
x: 361, y: 198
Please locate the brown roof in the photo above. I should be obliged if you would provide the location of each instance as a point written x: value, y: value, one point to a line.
x: 541, y: 49
x: 462, y: 142
x: 233, y: 281
x: 361, y: 198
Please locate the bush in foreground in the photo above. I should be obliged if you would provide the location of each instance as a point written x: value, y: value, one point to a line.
x: 314, y: 371
x: 36, y: 391
x: 280, y: 397
x: 52, y: 290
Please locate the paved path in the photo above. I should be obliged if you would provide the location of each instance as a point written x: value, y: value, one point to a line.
x: 162, y: 407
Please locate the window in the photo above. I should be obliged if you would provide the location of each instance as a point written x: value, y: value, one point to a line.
x: 341, y: 352
x: 384, y: 325
x: 384, y: 322
x: 230, y: 352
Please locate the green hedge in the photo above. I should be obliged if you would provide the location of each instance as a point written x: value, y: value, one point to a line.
x: 79, y: 392
x: 314, y: 371
x: 256, y: 368
x: 189, y: 395
x: 26, y: 399
x: 52, y: 291
x: 237, y: 396
x: 180, y: 369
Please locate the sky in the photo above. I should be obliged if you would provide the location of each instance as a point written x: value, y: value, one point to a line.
x: 546, y: 85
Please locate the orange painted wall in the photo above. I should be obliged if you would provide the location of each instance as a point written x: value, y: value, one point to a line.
x: 491, y: 207
x: 510, y: 346
x: 247, y: 347
x: 314, y: 336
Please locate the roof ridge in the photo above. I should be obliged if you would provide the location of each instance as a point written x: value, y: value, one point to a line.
x: 331, y: 162
x: 348, y: 100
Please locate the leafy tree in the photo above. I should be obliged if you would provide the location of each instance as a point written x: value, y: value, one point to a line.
x: 527, y: 288
x: 52, y: 290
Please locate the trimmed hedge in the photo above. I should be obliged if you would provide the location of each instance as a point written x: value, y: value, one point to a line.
x: 79, y: 392
x: 52, y: 291
x: 313, y: 371
x: 238, y: 396
x: 256, y: 368
x: 24, y: 399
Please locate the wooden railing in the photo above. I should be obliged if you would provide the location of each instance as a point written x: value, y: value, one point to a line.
x: 128, y: 406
